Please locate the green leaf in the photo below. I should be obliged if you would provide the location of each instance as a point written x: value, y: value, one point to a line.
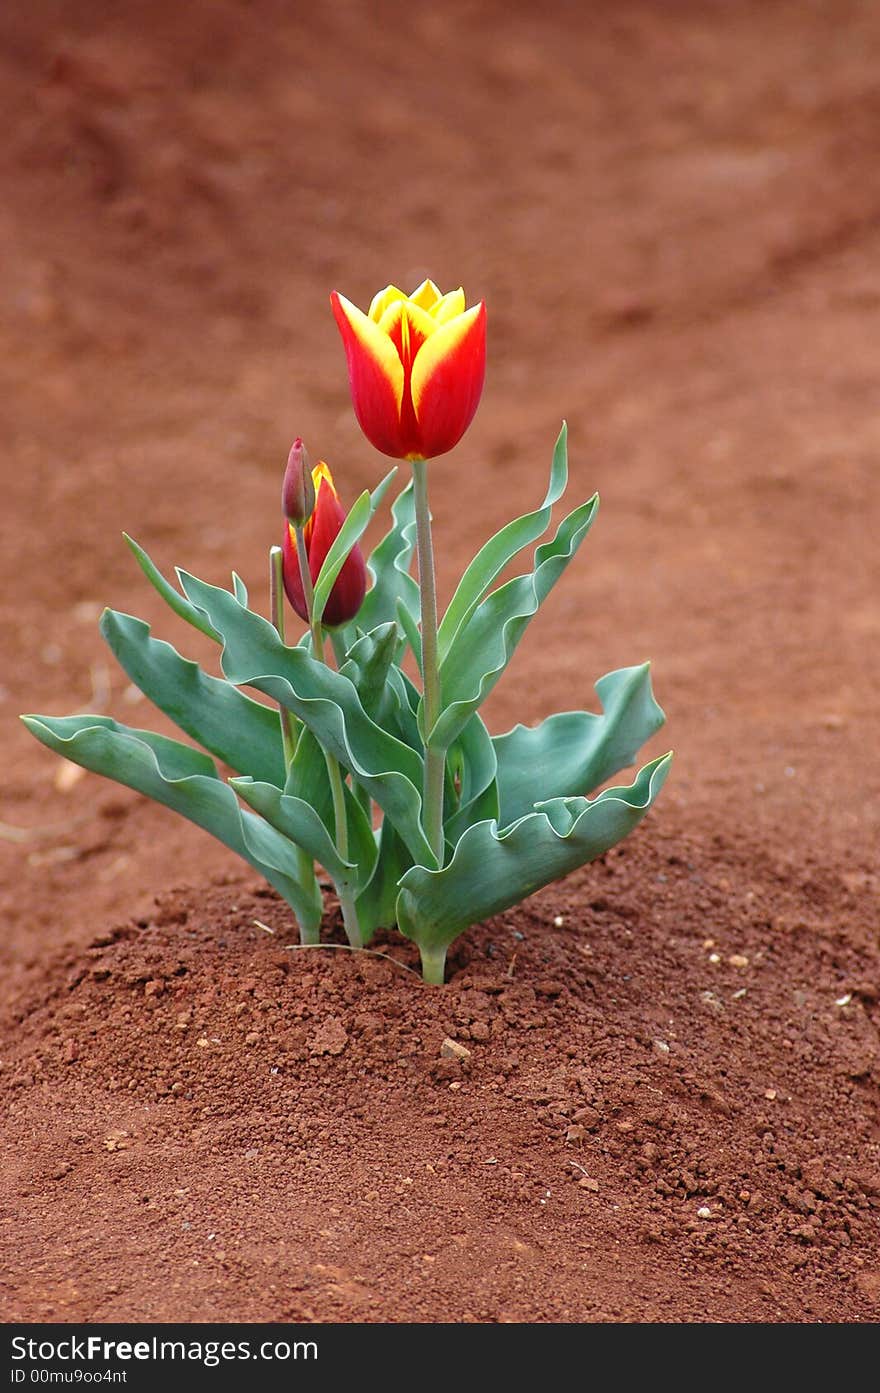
x: 326, y: 702
x: 187, y: 781
x: 349, y: 535
x: 491, y: 559
x: 239, y: 589
x: 299, y: 821
x: 377, y: 902
x: 410, y: 626
x: 389, y: 566
x: 485, y: 641
x: 492, y: 869
x: 573, y: 752
x: 172, y: 597
x: 471, y: 767
x: 367, y: 664
x: 240, y: 731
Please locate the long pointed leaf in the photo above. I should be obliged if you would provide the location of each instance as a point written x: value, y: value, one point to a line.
x: 492, y: 869
x: 172, y: 597
x: 242, y: 732
x: 299, y: 822
x: 187, y: 781
x: 389, y: 566
x: 573, y: 752
x: 484, y: 643
x: 491, y: 559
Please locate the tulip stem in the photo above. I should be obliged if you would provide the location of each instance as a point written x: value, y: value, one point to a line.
x: 334, y: 774
x: 304, y: 862
x: 435, y: 758
x: 276, y: 604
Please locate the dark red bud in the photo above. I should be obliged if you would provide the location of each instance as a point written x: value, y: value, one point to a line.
x: 298, y: 490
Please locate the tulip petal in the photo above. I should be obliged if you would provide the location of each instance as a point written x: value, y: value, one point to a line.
x: 376, y: 376
x: 407, y: 325
x: 291, y: 573
x: 382, y: 300
x: 448, y: 306
x: 447, y: 381
x: 425, y: 295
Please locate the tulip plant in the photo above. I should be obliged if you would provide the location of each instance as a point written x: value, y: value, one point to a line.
x: 388, y: 781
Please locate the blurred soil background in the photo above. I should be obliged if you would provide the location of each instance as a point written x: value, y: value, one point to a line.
x: 673, y: 214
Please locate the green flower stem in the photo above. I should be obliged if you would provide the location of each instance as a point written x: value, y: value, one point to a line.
x: 305, y: 864
x: 433, y: 965
x: 435, y: 758
x: 276, y: 604
x: 337, y: 788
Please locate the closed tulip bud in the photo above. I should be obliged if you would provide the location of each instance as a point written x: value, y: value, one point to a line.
x: 319, y: 533
x: 416, y: 365
x: 298, y: 490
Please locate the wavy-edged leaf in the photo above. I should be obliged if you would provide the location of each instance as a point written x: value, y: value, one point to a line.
x: 326, y: 702
x: 301, y: 823
x: 471, y: 768
x: 573, y: 752
x: 377, y: 902
x: 485, y: 641
x: 491, y: 559
x: 493, y: 869
x: 179, y: 603
x: 348, y: 536
x: 187, y: 781
x: 367, y: 664
x: 240, y: 731
x: 389, y: 566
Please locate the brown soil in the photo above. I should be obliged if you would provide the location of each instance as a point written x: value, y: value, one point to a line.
x: 669, y: 1108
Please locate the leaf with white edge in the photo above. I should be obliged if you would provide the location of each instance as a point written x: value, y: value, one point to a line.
x: 493, y: 869
x: 349, y: 535
x: 574, y: 752
x: 389, y: 566
x: 181, y: 606
x: 187, y: 781
x: 242, y: 732
x: 491, y: 559
x: 485, y: 641
x: 239, y: 589
x: 299, y: 821
x: 326, y: 702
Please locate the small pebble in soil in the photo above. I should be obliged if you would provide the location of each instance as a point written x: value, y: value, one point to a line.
x: 704, y: 1212
x: 558, y: 921
x: 738, y: 960
x: 451, y: 1049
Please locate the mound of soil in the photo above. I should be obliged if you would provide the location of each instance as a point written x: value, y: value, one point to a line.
x: 647, y: 1095
x: 661, y: 1099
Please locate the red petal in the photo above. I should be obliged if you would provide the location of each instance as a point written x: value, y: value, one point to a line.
x: 376, y: 377
x: 447, y: 381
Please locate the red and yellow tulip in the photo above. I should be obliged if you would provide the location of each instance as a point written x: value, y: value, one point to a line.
x: 416, y: 365
x: 319, y: 534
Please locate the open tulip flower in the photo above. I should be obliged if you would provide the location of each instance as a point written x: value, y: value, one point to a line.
x: 416, y: 365
x: 319, y: 533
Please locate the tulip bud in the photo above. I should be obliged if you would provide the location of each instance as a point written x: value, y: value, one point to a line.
x: 298, y: 490
x: 319, y: 534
